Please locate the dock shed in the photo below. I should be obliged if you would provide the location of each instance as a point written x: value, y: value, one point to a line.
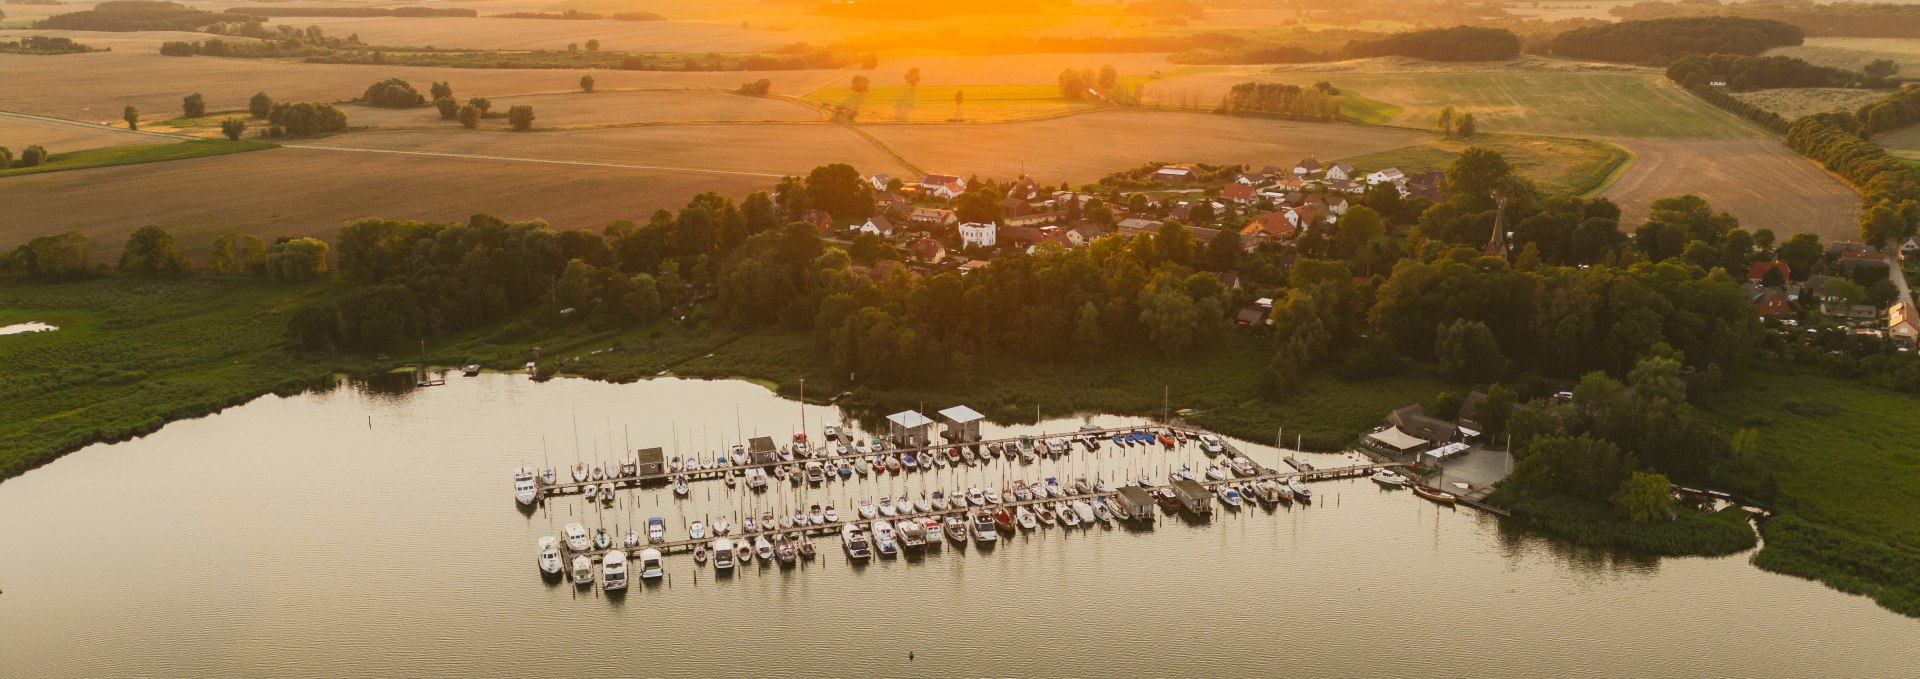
x: 1193, y: 496
x: 1135, y: 503
x: 762, y: 451
x: 909, y: 429
x: 653, y: 462
x: 963, y: 423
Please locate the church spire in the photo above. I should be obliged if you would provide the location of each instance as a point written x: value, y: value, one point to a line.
x: 1497, y: 246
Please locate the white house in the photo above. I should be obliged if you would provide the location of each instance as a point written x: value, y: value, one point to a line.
x: 877, y: 225
x: 879, y: 181
x: 1391, y: 174
x: 1307, y: 167
x: 1340, y: 172
x: 974, y: 234
x: 943, y: 186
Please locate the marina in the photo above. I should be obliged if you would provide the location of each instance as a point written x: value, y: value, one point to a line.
x: 288, y: 538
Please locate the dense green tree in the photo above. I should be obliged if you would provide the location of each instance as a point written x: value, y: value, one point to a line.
x: 296, y: 259
x: 32, y: 156
x: 484, y: 104
x: 1073, y: 85
x: 861, y: 84
x: 1089, y: 340
x: 1644, y: 497
x: 586, y: 83
x: 441, y: 90
x: 469, y: 116
x: 233, y: 128
x: 132, y: 116
x: 392, y: 93
x: 6, y: 157
x: 150, y: 252
x: 449, y: 109
x: 520, y: 116
x: 913, y: 77
x: 193, y: 105
x: 1495, y: 411
x: 1223, y: 252
x: 1467, y: 351
x: 840, y: 190
x: 1800, y: 252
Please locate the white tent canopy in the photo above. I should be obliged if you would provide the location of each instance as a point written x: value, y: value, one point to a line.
x: 907, y: 419
x: 1449, y: 449
x: 1393, y: 438
x: 1468, y: 432
x: 961, y: 414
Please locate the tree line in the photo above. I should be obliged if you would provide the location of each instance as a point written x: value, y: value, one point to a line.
x: 1745, y: 73
x: 1655, y: 41
x: 1889, y: 188
x: 132, y: 15
x: 1459, y: 43
x: 1838, y: 19
x: 150, y: 252
x: 1898, y: 109
x: 42, y: 44
x: 268, y: 11
x: 1281, y: 101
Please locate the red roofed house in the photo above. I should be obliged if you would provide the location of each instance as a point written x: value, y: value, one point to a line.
x: 1238, y: 193
x: 1271, y: 226
x: 927, y: 250
x: 1757, y: 271
x: 819, y: 219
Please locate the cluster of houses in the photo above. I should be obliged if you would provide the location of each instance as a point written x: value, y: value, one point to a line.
x: 1283, y: 202
x: 1774, y: 294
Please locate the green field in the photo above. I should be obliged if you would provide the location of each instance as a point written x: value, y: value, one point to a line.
x: 1853, y: 53
x: 1848, y: 474
x: 986, y: 103
x: 1605, y: 103
x: 1560, y: 165
x: 140, y: 153
x: 131, y: 355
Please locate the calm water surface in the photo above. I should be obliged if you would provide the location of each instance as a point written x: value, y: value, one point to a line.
x: 356, y: 532
x: 29, y: 326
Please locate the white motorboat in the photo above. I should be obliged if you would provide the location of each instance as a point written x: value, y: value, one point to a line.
x: 1215, y: 473
x: 1146, y: 481
x: 1299, y: 490
x: 883, y: 538
x: 549, y: 555
x: 613, y: 571
x: 673, y: 465
x: 975, y: 497
x: 1210, y: 445
x: 650, y: 568
x: 1046, y: 515
x: 854, y: 540
x: 1101, y: 511
x: 1269, y: 492
x: 860, y: 446
x: 1185, y: 472
x: 697, y: 530
x: 815, y: 517
x: 886, y: 507
x: 471, y: 370
x: 1084, y: 510
x: 913, y: 533
x: 1228, y: 496
x: 723, y: 554
x: 1081, y: 487
x: 934, y: 531
x: 1020, y: 491
x: 863, y: 466
x: 922, y: 505
x: 757, y: 478
x: 748, y: 525
x: 738, y: 455
x: 630, y: 467
x: 763, y: 547
x: 577, y: 539
x: 582, y: 570
x: 743, y: 552
x: 1390, y: 478
x: 832, y: 432
x: 606, y: 494
x: 831, y: 515
x: 867, y: 510
x: 984, y: 532
x: 524, y: 489
x: 590, y: 491
x: 1243, y: 466
x: 956, y: 529
x: 816, y: 474
x: 1054, y: 489
x: 656, y: 530
x: 1025, y: 518
x: 939, y: 501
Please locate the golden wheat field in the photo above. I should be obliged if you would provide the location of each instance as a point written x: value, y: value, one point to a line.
x: 1759, y: 181
x: 17, y: 133
x: 293, y: 191
x: 601, y: 107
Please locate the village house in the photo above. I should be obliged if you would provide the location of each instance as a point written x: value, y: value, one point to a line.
x: 1034, y: 218
x: 1768, y: 302
x: 1177, y: 173
x: 877, y: 225
x: 1239, y: 193
x: 1344, y: 186
x: 1252, y: 178
x: 927, y: 250
x: 1020, y: 237
x: 1136, y: 225
x: 892, y: 205
x: 1757, y: 271
x: 1273, y: 226
x: 932, y: 216
x: 1310, y: 166
x: 879, y: 182
x: 1903, y: 326
x: 820, y: 220
x: 1386, y: 175
x: 1424, y: 185
x: 1340, y: 172
x: 978, y: 235
x: 971, y: 266
x: 1015, y: 207
x: 942, y: 186
x: 1305, y: 217
x: 1290, y: 185
x: 1025, y: 190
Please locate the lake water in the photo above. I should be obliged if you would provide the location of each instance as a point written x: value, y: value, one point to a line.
x: 29, y: 326
x: 364, y: 532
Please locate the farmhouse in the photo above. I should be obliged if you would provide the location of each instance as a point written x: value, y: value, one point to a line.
x: 879, y: 182
x: 1757, y: 271
x: 1902, y: 324
x: 1135, y: 225
x: 820, y: 220
x: 931, y: 216
x: 978, y: 235
x: 877, y: 225
x: 1177, y: 173
x: 1306, y: 167
x: 1274, y: 226
x: 942, y: 186
x: 1340, y: 172
x: 1238, y: 193
x: 1767, y: 301
x: 927, y: 250
x: 1391, y: 174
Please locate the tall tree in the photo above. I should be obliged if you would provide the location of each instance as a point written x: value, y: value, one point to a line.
x: 150, y: 252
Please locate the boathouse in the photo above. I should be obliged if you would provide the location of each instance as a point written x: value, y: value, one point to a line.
x: 963, y: 423
x: 909, y: 429
x: 762, y: 450
x: 1193, y: 496
x: 653, y: 462
x: 1135, y: 503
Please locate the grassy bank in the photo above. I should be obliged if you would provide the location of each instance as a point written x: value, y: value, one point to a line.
x: 139, y: 153
x: 1560, y: 165
x: 1845, y: 479
x: 1593, y: 524
x: 132, y: 355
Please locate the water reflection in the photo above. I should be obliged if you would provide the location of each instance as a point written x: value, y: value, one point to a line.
x: 366, y: 530
x: 30, y: 326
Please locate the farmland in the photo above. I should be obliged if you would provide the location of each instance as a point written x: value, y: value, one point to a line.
x: 530, y: 34
x: 1853, y: 53
x: 1759, y: 181
x: 1557, y: 164
x: 1791, y: 103
x: 293, y: 191
x: 1604, y: 102
x: 17, y: 133
x: 932, y: 103
x: 600, y: 108
x: 1082, y: 148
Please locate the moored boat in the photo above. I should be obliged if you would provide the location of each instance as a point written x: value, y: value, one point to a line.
x: 1434, y: 494
x: 1299, y: 490
x: 723, y: 555
x: 1024, y: 517
x: 656, y: 530
x: 1389, y: 478
x: 854, y: 540
x: 524, y: 489
x: 983, y: 528
x: 577, y: 539
x: 883, y: 538
x: 582, y: 570
x: 613, y: 571
x: 650, y: 568
x: 549, y: 555
x: 1229, y: 496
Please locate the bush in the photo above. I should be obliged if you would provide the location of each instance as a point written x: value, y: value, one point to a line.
x: 260, y: 105
x: 32, y: 156
x: 233, y: 128
x: 176, y: 49
x: 449, y: 109
x: 586, y: 83
x: 441, y: 90
x: 520, y: 117
x: 193, y: 105
x: 757, y: 88
x: 393, y: 93
x: 469, y: 116
x: 481, y: 103
x: 306, y: 119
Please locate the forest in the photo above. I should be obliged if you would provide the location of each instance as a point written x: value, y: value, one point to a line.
x: 1460, y: 43
x: 134, y: 15
x: 1836, y: 19
x: 1744, y: 73
x: 1281, y: 101
x: 1654, y: 41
